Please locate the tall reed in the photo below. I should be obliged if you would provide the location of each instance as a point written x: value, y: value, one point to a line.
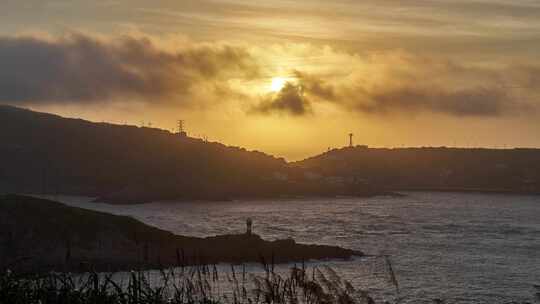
x: 183, y: 285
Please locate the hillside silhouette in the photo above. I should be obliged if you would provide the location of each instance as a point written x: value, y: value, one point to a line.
x: 442, y: 169
x: 47, y: 154
x: 43, y: 153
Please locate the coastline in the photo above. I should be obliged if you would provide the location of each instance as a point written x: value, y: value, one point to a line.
x: 56, y: 237
x: 467, y: 190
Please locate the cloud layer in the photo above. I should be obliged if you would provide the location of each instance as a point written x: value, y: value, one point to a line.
x: 405, y: 84
x: 81, y: 69
x: 289, y: 100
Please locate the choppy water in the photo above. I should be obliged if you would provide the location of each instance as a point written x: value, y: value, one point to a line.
x: 465, y: 248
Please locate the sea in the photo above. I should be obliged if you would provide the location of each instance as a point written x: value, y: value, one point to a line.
x: 459, y: 247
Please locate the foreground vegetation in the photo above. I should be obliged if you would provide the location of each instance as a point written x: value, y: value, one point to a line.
x: 196, y: 285
x: 190, y: 285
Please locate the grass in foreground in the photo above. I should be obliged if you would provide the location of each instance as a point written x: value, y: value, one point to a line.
x: 189, y: 285
x: 186, y: 285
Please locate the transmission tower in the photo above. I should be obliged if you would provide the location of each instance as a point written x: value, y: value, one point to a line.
x: 180, y: 126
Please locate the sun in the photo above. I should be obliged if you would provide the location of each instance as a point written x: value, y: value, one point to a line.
x: 277, y: 84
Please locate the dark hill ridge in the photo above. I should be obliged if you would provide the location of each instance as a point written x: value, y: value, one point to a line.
x: 443, y: 169
x: 40, y: 235
x: 44, y: 153
x: 47, y: 154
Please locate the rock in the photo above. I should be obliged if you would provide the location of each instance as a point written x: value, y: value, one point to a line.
x: 43, y: 235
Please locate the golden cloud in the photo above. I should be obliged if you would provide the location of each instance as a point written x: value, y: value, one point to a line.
x: 81, y: 68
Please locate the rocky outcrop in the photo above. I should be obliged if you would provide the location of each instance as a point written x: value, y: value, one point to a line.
x: 42, y: 235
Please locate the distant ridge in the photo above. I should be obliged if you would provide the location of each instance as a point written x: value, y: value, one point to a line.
x: 434, y: 168
x: 47, y: 154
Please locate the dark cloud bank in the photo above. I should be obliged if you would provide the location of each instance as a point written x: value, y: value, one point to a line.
x: 290, y: 100
x: 415, y: 96
x: 80, y: 68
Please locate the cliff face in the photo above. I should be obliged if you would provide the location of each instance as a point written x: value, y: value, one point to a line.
x: 42, y: 235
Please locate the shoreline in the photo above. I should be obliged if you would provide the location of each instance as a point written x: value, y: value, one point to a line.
x: 468, y: 190
x: 59, y: 237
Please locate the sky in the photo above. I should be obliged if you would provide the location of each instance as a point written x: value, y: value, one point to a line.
x: 290, y: 78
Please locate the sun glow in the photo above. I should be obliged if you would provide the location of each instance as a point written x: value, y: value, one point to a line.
x: 277, y: 84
